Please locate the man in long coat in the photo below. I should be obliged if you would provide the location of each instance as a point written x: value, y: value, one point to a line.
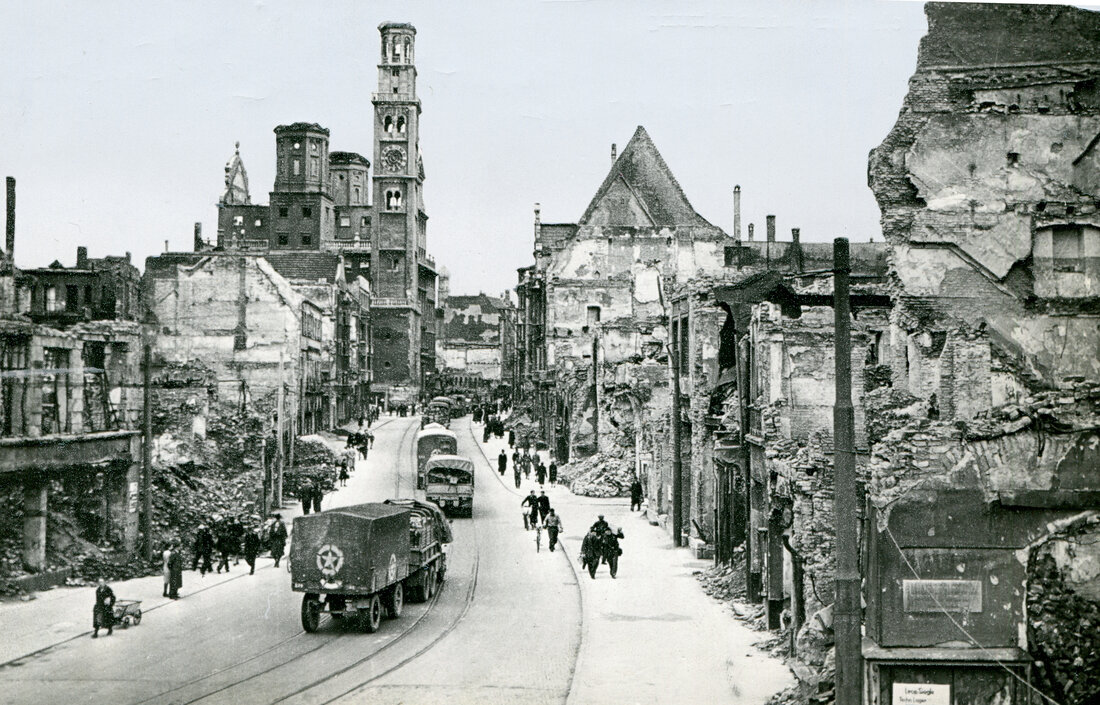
x: 590, y: 552
x: 175, y: 571
x: 278, y: 539
x: 502, y: 462
x: 103, y: 614
x: 204, y: 548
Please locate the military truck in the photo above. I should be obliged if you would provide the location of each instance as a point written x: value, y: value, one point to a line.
x: 356, y: 561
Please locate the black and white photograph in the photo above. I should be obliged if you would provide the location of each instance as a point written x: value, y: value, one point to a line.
x: 555, y: 352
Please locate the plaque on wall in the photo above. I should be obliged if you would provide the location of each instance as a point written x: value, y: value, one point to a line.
x: 923, y: 693
x: 941, y: 595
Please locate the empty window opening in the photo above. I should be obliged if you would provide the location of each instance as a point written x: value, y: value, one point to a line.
x: 307, y: 239
x: 314, y: 166
x: 401, y: 124
x: 72, y: 302
x: 238, y: 220
x: 393, y: 200
x: 356, y: 194
x: 1067, y: 247
x: 345, y: 221
x: 297, y: 167
x: 593, y: 315
x: 387, y: 124
x: 259, y: 222
x: 284, y: 212
x: 1013, y: 158
x: 284, y: 239
x: 307, y: 212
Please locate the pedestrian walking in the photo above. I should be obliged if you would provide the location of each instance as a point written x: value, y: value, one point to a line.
x: 518, y: 475
x: 635, y: 494
x: 343, y: 477
x: 525, y: 461
x: 251, y: 548
x: 540, y: 472
x: 350, y: 456
x: 531, y: 514
x: 590, y: 552
x: 278, y: 539
x: 553, y: 472
x: 103, y: 614
x: 165, y: 555
x: 318, y: 495
x: 175, y: 572
x: 204, y: 548
x: 612, y: 551
x: 553, y: 527
x: 305, y: 493
x: 502, y: 461
x: 544, y: 506
x: 236, y: 534
x: 224, y: 544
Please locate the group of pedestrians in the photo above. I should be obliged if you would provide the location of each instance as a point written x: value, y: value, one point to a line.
x: 538, y: 514
x: 526, y: 462
x: 601, y: 546
x: 232, y: 537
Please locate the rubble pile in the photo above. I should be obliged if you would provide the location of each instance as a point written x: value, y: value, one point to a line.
x: 600, y: 475
x: 314, y: 461
x: 1063, y: 630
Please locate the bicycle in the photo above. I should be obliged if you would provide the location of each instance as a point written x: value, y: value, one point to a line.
x: 538, y: 538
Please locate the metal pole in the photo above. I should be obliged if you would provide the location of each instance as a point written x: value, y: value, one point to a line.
x: 279, y: 437
x: 147, y: 451
x: 265, y: 475
x: 846, y: 611
x: 677, y: 469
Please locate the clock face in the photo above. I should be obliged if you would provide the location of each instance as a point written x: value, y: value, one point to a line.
x: 394, y: 158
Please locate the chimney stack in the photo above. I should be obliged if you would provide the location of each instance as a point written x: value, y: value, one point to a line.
x: 795, y: 232
x: 752, y: 227
x: 614, y: 154
x: 771, y: 228
x: 199, y: 244
x: 11, y: 220
x: 165, y: 245
x: 737, y: 212
x: 796, y: 250
x: 81, y: 257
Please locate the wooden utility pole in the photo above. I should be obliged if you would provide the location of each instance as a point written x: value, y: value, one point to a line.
x: 266, y: 475
x: 846, y: 609
x: 677, y: 465
x: 280, y: 415
x: 147, y: 450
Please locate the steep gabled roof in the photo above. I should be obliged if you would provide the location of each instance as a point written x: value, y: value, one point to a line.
x: 305, y: 266
x: 640, y: 190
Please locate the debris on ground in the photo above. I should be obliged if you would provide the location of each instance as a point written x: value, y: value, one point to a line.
x: 600, y: 475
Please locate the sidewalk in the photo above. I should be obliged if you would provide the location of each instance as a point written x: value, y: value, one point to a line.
x: 652, y: 635
x: 65, y: 613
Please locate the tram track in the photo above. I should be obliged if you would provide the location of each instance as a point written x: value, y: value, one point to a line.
x: 405, y: 452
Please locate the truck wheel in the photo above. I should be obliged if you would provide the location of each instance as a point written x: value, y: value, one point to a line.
x: 371, y: 617
x: 311, y: 612
x: 395, y: 600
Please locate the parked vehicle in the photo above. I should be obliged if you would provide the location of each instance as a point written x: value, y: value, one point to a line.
x: 450, y: 483
x: 354, y: 561
x: 432, y: 440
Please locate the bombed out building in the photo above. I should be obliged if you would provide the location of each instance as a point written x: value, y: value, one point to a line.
x: 70, y: 404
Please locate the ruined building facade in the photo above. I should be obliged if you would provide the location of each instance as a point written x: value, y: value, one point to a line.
x: 594, y: 298
x: 473, y: 349
x: 330, y: 202
x: 983, y: 485
x: 70, y: 399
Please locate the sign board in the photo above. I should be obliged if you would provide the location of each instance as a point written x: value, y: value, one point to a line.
x: 941, y: 595
x: 133, y: 497
x: 921, y: 694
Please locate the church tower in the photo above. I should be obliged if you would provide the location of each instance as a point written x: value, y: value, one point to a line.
x: 401, y: 273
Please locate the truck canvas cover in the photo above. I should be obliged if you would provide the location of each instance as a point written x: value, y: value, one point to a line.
x: 431, y: 508
x: 356, y: 549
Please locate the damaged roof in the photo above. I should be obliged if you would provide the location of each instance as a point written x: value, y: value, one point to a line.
x: 304, y: 266
x: 640, y: 190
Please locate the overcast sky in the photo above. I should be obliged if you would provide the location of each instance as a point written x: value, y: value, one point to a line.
x: 118, y: 118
